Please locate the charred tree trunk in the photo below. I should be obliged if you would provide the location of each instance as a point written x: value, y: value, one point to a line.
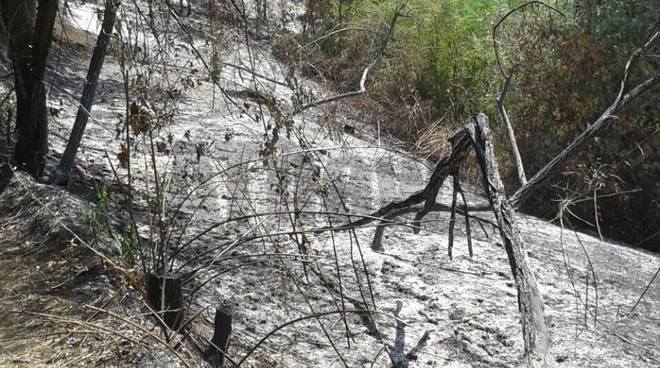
x: 95, y: 65
x: 29, y: 43
x: 535, y: 331
x: 221, y: 335
x: 165, y: 295
x: 530, y: 302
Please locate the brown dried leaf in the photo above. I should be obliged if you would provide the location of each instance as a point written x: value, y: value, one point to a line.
x: 161, y: 147
x: 123, y: 157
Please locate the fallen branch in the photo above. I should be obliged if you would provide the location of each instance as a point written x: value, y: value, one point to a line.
x: 445, y: 167
x: 377, y: 243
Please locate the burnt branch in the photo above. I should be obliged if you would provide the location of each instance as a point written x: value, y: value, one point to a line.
x: 449, y: 164
x: 468, y: 232
x: 452, y: 221
x: 377, y: 243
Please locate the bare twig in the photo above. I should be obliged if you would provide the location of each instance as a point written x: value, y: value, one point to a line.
x: 501, y: 20
x: 337, y: 31
x: 507, y: 78
x: 375, y: 60
x: 632, y: 310
x: 513, y: 145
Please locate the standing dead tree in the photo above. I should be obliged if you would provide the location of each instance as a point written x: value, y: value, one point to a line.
x: 29, y: 31
x: 476, y: 135
x: 530, y: 301
x: 506, y: 83
x: 102, y: 42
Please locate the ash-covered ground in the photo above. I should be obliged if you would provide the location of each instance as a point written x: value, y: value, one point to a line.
x: 250, y: 221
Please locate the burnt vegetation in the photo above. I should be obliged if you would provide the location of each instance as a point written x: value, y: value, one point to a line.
x: 194, y: 183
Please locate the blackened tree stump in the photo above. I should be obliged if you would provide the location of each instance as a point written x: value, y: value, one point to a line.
x: 165, y: 295
x: 221, y: 335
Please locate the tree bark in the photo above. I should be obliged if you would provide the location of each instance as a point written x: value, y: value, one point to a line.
x: 530, y: 302
x: 165, y: 295
x: 221, y: 335
x: 511, y: 136
x: 29, y: 42
x: 84, y: 109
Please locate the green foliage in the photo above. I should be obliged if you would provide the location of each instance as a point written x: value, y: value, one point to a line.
x: 129, y: 244
x: 97, y: 212
x: 441, y: 49
x: 98, y: 215
x: 440, y: 66
x: 625, y: 23
x: 439, y: 63
x: 567, y: 78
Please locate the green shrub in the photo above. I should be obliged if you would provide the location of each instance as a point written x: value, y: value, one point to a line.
x: 440, y: 68
x: 568, y: 77
x: 439, y: 63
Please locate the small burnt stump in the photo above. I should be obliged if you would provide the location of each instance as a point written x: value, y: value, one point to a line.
x: 222, y: 333
x: 165, y: 295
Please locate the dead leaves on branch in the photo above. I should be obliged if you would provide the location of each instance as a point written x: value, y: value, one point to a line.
x: 140, y: 117
x: 143, y: 119
x: 161, y: 147
x: 123, y: 156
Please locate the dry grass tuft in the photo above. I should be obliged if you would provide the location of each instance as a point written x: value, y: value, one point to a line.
x: 59, y: 303
x: 73, y: 36
x: 433, y: 142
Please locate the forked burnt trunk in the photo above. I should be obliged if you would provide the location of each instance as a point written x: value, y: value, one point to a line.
x: 30, y: 37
